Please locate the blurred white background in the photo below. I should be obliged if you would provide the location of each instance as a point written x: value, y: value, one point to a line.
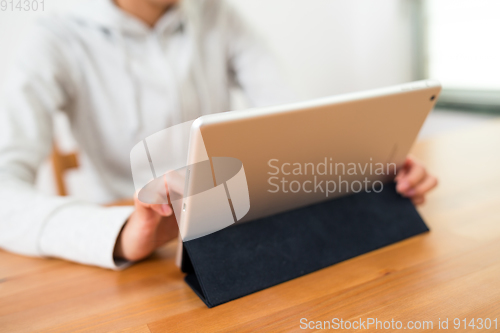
x: 464, y: 47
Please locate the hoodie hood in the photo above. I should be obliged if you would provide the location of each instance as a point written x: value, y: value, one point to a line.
x: 106, y: 14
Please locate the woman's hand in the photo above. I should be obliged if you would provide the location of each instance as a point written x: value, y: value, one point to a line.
x: 413, y: 181
x: 149, y: 227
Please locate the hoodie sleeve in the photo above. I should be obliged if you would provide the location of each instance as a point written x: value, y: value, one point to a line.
x: 39, y: 84
x: 251, y: 63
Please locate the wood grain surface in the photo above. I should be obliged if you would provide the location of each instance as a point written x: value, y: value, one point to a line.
x: 451, y: 272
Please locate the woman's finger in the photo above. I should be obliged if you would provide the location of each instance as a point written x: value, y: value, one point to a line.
x: 412, y: 178
x: 162, y: 209
x: 145, y: 210
x: 403, y: 171
x: 425, y: 186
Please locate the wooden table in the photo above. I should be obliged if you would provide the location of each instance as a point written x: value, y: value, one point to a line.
x: 451, y: 272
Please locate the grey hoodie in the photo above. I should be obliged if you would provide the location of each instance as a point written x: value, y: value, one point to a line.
x: 118, y: 81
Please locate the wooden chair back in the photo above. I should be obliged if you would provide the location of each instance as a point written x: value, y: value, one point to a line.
x: 61, y: 163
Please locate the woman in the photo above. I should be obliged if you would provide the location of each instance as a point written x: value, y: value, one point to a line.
x: 121, y: 71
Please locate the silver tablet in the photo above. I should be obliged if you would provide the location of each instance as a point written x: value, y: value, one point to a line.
x: 233, y: 167
x: 300, y: 154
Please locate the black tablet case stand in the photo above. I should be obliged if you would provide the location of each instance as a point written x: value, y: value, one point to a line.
x: 249, y: 257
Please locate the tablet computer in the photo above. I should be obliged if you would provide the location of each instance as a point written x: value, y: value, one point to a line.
x: 299, y: 154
